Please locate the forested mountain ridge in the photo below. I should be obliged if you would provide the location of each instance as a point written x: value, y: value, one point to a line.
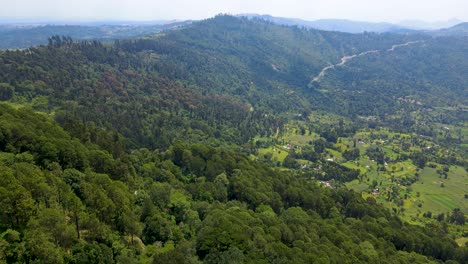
x: 25, y: 36
x: 285, y: 59
x: 264, y: 67
x: 146, y: 150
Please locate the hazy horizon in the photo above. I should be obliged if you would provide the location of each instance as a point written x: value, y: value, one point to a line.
x: 146, y: 10
x: 158, y: 20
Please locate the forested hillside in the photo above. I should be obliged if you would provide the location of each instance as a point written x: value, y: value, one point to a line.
x: 213, y: 143
x: 65, y: 200
x: 240, y: 61
x: 25, y: 36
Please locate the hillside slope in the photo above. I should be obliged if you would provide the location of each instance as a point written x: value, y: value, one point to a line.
x: 225, y: 71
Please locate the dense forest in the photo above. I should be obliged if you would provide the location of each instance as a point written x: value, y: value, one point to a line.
x: 65, y: 200
x: 147, y: 150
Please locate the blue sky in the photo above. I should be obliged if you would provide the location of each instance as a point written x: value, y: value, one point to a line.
x: 364, y: 10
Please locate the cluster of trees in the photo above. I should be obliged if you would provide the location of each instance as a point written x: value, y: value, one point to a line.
x: 333, y: 171
x: 375, y: 153
x: 351, y: 154
x: 191, y: 203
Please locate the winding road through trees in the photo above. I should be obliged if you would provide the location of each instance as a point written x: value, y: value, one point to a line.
x: 348, y: 58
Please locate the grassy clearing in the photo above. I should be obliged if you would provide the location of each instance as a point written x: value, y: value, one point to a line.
x: 438, y: 199
x: 358, y: 186
x: 402, y: 169
x: 278, y: 154
x: 301, y: 140
x: 337, y: 156
x: 462, y: 241
x: 353, y: 165
x: 387, y: 150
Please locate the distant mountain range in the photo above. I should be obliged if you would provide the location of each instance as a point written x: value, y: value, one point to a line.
x: 24, y: 35
x: 350, y: 26
x: 341, y: 25
x: 43, y: 22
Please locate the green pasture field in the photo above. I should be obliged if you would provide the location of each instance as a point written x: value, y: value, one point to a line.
x: 278, y: 154
x: 438, y: 199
